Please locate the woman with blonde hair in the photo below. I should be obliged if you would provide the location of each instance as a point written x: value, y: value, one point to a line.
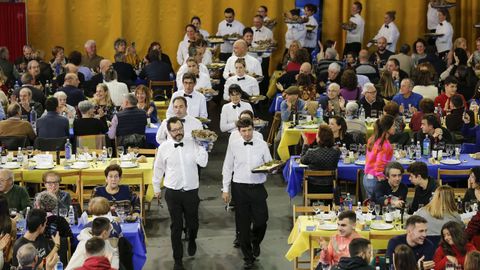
x: 460, y: 42
x: 144, y: 97
x: 440, y: 210
x: 104, y: 107
x: 100, y: 207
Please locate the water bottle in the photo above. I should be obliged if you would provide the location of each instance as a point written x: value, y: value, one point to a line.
x: 33, y: 118
x: 59, y: 265
x: 16, y: 87
x: 418, y: 150
x: 68, y: 150
x: 358, y: 211
x: 348, y: 202
x: 19, y: 156
x: 426, y: 147
x: 27, y: 212
x: 71, y: 216
x: 361, y: 113
x: 319, y: 114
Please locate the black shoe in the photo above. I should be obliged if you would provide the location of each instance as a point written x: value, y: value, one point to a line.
x: 236, y: 242
x: 192, y: 248
x: 248, y: 265
x: 178, y: 266
x: 256, y: 250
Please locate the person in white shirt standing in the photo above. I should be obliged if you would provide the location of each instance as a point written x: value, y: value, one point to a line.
x: 197, y: 104
x: 189, y: 123
x: 227, y: 27
x: 240, y: 50
x: 444, y: 43
x: 261, y: 33
x: 389, y: 31
x: 355, y: 36
x: 263, y: 11
x: 197, y: 53
x: 295, y: 31
x: 248, y: 84
x: 231, y: 111
x: 195, y: 20
x: 203, y: 79
x: 311, y: 37
x: 251, y: 210
x: 432, y: 17
x: 177, y: 163
x: 182, y: 51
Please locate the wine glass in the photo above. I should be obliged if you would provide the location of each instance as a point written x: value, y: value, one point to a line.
x: 377, y: 209
x: 13, y: 212
x: 109, y: 152
x: 467, y: 207
x: 30, y: 151
x: 120, y: 212
x: 120, y: 151
x: 136, y: 150
x: 63, y: 212
x: 371, y: 207
x: 373, y: 113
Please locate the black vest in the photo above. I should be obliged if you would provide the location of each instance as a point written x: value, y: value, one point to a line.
x: 131, y: 121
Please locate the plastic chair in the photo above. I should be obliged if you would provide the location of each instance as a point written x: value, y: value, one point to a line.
x: 318, y: 196
x: 91, y: 141
x: 13, y: 142
x: 49, y: 144
x: 162, y: 90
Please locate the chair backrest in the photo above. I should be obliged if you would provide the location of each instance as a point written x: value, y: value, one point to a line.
x: 91, y: 141
x: 13, y: 142
x: 49, y: 144
x: 131, y: 140
x: 446, y: 172
x: 90, y: 179
x: 162, y: 90
x: 277, y: 120
x: 322, y: 196
x: 147, y: 152
x: 307, y: 210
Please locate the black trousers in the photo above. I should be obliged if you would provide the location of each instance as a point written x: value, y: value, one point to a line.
x: 352, y: 47
x: 266, y: 77
x: 182, y: 204
x: 251, y: 215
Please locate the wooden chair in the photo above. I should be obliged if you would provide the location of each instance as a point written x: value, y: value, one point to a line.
x: 314, y: 254
x: 136, y: 179
x: 276, y: 122
x: 322, y: 196
x: 91, y: 141
x: 162, y: 89
x: 446, y: 172
x: 90, y: 179
x: 18, y: 176
x: 307, y: 210
x: 147, y: 152
x: 49, y: 144
x: 71, y: 178
x: 13, y: 142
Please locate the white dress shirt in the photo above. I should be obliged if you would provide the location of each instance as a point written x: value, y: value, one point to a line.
x: 182, y: 51
x: 184, y: 69
x: 117, y: 90
x: 252, y: 66
x: 311, y: 37
x: 248, y: 84
x: 204, y: 33
x: 356, y: 35
x: 295, y: 32
x: 203, y: 81
x: 391, y: 33
x: 235, y: 135
x: 432, y: 17
x: 191, y: 123
x: 240, y: 159
x: 207, y: 57
x: 223, y: 29
x: 262, y: 34
x: 178, y: 164
x: 196, y: 105
x: 229, y: 115
x: 444, y: 43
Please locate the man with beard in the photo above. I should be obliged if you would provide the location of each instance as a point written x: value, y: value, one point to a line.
x: 380, y: 57
x: 178, y: 159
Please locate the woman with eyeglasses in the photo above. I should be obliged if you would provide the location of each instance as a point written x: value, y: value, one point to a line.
x: 51, y: 181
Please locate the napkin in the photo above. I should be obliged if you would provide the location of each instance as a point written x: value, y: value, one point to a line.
x: 83, y: 220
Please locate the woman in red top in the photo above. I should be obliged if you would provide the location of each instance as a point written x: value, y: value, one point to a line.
x: 301, y: 56
x: 453, y: 246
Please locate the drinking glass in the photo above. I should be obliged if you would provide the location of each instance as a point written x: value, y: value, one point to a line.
x: 353, y: 147
x: 371, y: 207
x: 377, y: 209
x: 30, y: 151
x: 109, y: 152
x: 120, y: 212
x: 474, y: 205
x: 120, y: 151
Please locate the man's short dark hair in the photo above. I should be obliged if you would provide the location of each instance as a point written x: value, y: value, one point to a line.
x: 243, y: 123
x: 348, y: 214
x: 229, y: 11
x: 153, y: 55
x: 311, y: 7
x: 190, y: 25
x: 110, y: 75
x: 413, y: 220
x: 418, y: 168
x: 36, y: 218
x: 393, y: 165
x: 457, y: 101
x: 359, y: 6
x: 250, y: 113
x: 265, y: 8
x: 51, y: 104
x: 451, y: 80
x: 235, y: 88
x: 180, y: 98
x: 190, y: 76
x: 95, y: 246
x: 172, y: 120
x: 99, y: 225
x: 395, y: 61
x: 357, y: 246
x: 75, y: 58
x: 432, y: 120
x: 248, y: 30
x: 405, y: 48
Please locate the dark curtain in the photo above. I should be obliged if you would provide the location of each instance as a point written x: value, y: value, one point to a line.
x: 13, y: 31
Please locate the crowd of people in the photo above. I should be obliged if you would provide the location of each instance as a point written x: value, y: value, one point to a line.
x: 435, y: 86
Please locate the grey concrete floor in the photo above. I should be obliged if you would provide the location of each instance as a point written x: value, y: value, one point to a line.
x: 216, y: 232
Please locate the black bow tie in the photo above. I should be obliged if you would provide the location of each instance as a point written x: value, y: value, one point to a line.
x: 236, y: 106
x: 185, y: 95
x: 190, y: 41
x: 198, y: 76
x: 441, y: 24
x: 386, y: 26
x: 352, y: 16
x: 239, y: 79
x: 182, y: 120
x: 229, y: 25
x: 248, y: 143
x: 258, y: 30
x: 178, y: 144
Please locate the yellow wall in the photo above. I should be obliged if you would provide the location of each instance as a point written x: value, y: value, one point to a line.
x: 70, y: 23
x: 410, y: 19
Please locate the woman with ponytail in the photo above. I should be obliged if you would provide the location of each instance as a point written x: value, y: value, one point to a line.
x: 379, y: 153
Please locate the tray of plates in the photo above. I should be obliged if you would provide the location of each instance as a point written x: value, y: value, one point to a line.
x: 204, y: 135
x: 405, y: 161
x: 259, y: 123
x: 215, y: 40
x: 449, y: 161
x: 216, y: 65
x: 269, y: 167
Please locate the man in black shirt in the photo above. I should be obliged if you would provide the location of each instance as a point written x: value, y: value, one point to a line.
x: 392, y: 191
x: 380, y: 57
x: 371, y: 102
x: 424, y: 185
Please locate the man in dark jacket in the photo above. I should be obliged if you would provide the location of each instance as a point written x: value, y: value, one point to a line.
x: 52, y: 125
x: 360, y: 256
x: 125, y: 71
x: 70, y: 87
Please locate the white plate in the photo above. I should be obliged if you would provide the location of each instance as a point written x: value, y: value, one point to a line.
x: 360, y: 162
x: 44, y: 166
x: 450, y: 161
x: 328, y: 227
x: 405, y: 161
x: 80, y: 165
x: 381, y: 226
x: 313, y: 126
x: 128, y: 165
x: 11, y: 165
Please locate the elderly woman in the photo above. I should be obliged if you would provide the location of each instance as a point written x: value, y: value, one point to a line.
x: 333, y: 102
x: 104, y: 107
x: 144, y: 97
x: 353, y: 123
x: 118, y: 195
x: 63, y: 108
x: 48, y: 202
x: 51, y: 181
x: 88, y: 124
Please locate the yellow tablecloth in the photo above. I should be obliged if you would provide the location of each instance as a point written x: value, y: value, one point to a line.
x: 299, y: 237
x: 290, y: 136
x: 35, y: 176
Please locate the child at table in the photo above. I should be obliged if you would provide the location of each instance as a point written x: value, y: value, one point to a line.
x: 453, y: 246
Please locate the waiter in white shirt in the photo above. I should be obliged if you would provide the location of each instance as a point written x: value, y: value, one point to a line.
x: 197, y: 53
x: 444, y: 43
x: 195, y: 20
x: 197, y: 104
x: 176, y: 162
x: 251, y: 210
x: 182, y: 51
x: 432, y: 17
x: 295, y: 31
x: 203, y: 79
x: 389, y: 30
x: 263, y: 11
x: 189, y: 123
x: 235, y: 134
x: 247, y: 83
x: 227, y: 27
x: 260, y: 32
x: 240, y: 50
x: 311, y: 37
x: 231, y: 111
x: 355, y: 36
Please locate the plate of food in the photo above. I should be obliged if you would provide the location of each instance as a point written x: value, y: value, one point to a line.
x: 270, y: 23
x: 381, y: 226
x: 44, y: 166
x: 204, y: 135
x: 268, y: 167
x: 215, y: 39
x: 11, y: 165
x: 80, y: 165
x: 450, y: 161
x: 328, y: 227
x: 310, y: 27
x: 216, y: 65
x: 259, y: 123
x: 405, y: 161
x: 128, y: 164
x: 204, y: 120
x: 208, y: 91
x: 360, y: 162
x: 232, y: 37
x: 308, y: 125
x: 256, y: 98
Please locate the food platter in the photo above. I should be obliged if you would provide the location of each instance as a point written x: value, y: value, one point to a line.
x: 204, y: 135
x: 268, y: 167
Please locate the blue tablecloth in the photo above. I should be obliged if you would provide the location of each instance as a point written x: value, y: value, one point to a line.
x: 150, y: 134
x: 293, y: 173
